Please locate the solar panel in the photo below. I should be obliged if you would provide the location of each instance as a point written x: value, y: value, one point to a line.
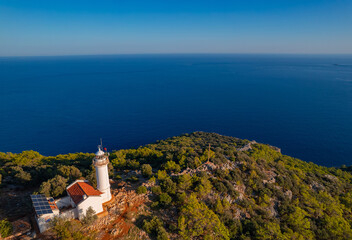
x: 41, y: 204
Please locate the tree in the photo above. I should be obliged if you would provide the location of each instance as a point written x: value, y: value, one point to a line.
x: 181, y: 197
x: 204, y: 186
x: 270, y: 231
x: 198, y: 221
x: 161, y: 234
x: 184, y: 181
x: 147, y: 170
x: 118, y: 159
x: 53, y: 187
x: 5, y: 228
x: 90, y: 216
x: 165, y: 199
x: 162, y: 175
x: 27, y: 158
x: 67, y: 230
x: 92, y: 177
x: 168, y: 186
x: 219, y: 208
x: 23, y: 177
x: 208, y: 154
x: 171, y: 166
x: 141, y: 190
x: 155, y: 227
x: 297, y: 221
x: 70, y: 172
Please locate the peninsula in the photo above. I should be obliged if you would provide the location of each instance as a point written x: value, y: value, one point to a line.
x: 194, y: 186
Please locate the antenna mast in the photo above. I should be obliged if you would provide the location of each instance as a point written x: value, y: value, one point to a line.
x: 101, y: 143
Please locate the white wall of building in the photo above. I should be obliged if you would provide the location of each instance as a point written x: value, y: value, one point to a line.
x: 44, y: 221
x: 96, y: 202
x: 69, y: 214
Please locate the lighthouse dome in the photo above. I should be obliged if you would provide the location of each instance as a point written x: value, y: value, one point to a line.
x: 99, y: 153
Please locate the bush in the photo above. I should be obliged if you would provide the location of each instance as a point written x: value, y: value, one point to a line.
x: 133, y: 179
x: 90, y: 216
x: 23, y: 177
x: 168, y: 186
x: 162, y: 175
x: 184, y: 181
x: 5, y: 228
x: 147, y: 170
x: 156, y: 190
x: 133, y: 164
x: 161, y: 234
x: 67, y: 230
x: 141, y: 189
x: 155, y: 227
x: 165, y: 199
x: 171, y: 166
x: 181, y: 197
x: 70, y: 172
x: 155, y: 205
x: 151, y: 226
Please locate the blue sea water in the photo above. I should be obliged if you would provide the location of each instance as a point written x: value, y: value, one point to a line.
x: 300, y: 103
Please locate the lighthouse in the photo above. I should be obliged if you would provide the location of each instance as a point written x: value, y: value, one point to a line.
x: 101, y: 161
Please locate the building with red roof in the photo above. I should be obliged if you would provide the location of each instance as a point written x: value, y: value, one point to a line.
x: 82, y: 196
x: 80, y: 190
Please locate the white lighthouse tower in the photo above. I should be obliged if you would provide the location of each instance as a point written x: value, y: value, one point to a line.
x: 101, y: 161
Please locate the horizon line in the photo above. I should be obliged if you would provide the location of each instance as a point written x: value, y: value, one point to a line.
x: 126, y: 54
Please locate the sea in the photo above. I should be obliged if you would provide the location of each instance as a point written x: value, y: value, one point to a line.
x: 299, y: 103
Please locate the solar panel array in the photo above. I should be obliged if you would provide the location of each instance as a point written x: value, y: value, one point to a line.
x: 41, y: 205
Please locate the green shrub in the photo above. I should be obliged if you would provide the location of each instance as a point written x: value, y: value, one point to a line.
x: 155, y: 205
x: 141, y: 190
x: 155, y: 227
x: 165, y: 199
x: 67, y: 230
x: 133, y: 179
x: 156, y: 190
x: 147, y: 170
x: 5, y: 228
x: 168, y: 186
x: 90, y: 216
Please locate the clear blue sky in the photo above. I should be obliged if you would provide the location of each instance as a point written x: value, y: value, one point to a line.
x: 75, y: 27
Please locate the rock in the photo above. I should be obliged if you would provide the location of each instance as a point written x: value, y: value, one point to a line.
x: 288, y: 194
x: 316, y: 186
x: 331, y: 178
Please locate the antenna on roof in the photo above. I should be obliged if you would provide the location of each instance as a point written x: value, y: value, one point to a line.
x: 101, y: 144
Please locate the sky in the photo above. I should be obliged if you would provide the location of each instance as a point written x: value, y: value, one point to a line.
x: 44, y: 27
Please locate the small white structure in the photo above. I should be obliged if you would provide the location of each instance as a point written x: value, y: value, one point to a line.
x: 81, y: 196
x: 45, y: 209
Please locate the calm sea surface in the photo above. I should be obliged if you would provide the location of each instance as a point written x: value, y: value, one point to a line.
x: 302, y: 104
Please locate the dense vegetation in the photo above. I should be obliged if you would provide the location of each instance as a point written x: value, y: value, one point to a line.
x: 240, y: 193
x: 5, y: 228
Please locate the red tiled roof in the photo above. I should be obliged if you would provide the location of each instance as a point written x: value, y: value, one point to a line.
x: 79, y: 189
